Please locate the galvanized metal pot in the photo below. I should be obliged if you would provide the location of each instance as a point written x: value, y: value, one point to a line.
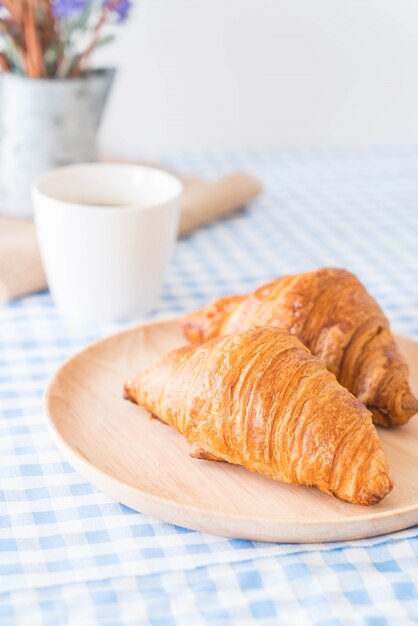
x: 46, y: 123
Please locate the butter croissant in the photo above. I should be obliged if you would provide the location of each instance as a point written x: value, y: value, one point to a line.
x: 261, y: 400
x: 333, y: 314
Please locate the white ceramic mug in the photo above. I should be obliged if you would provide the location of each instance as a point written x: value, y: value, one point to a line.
x: 106, y: 232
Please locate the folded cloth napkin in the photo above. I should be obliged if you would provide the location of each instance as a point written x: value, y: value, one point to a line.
x: 21, y: 269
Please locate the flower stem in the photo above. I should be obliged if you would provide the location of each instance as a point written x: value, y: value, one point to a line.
x: 83, y: 58
x: 34, y: 56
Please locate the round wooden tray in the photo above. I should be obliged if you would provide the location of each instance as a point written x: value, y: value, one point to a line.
x: 146, y: 464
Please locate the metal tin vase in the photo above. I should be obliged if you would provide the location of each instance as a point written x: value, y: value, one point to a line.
x: 46, y: 123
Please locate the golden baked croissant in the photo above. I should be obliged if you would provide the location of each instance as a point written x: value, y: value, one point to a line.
x: 261, y: 400
x: 333, y: 314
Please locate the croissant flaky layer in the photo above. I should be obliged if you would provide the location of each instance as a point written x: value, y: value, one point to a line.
x: 333, y: 314
x: 261, y: 400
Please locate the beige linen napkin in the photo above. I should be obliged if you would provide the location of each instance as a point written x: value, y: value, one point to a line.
x: 203, y: 202
x: 20, y: 263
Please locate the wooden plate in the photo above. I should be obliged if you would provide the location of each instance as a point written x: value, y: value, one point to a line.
x: 146, y: 465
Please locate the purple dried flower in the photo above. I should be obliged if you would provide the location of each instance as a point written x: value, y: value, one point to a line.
x: 120, y: 8
x: 64, y: 9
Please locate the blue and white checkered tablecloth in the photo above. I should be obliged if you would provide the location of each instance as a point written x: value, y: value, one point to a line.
x: 71, y: 555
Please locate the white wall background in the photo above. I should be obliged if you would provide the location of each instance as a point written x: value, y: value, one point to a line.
x: 242, y: 73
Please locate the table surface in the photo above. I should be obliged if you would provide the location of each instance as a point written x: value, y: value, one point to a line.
x: 71, y: 555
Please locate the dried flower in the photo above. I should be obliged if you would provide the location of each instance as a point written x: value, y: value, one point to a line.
x: 64, y: 9
x: 55, y: 37
x: 121, y: 8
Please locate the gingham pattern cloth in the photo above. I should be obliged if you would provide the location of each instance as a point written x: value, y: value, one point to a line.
x: 71, y: 555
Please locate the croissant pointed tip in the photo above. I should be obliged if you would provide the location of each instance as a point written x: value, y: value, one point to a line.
x: 409, y: 404
x: 369, y: 481
x: 128, y: 390
x: 376, y: 480
x: 375, y: 489
x: 191, y: 325
x: 205, y: 324
x: 401, y: 411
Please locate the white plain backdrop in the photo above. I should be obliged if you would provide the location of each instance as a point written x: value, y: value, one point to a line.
x: 198, y: 74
